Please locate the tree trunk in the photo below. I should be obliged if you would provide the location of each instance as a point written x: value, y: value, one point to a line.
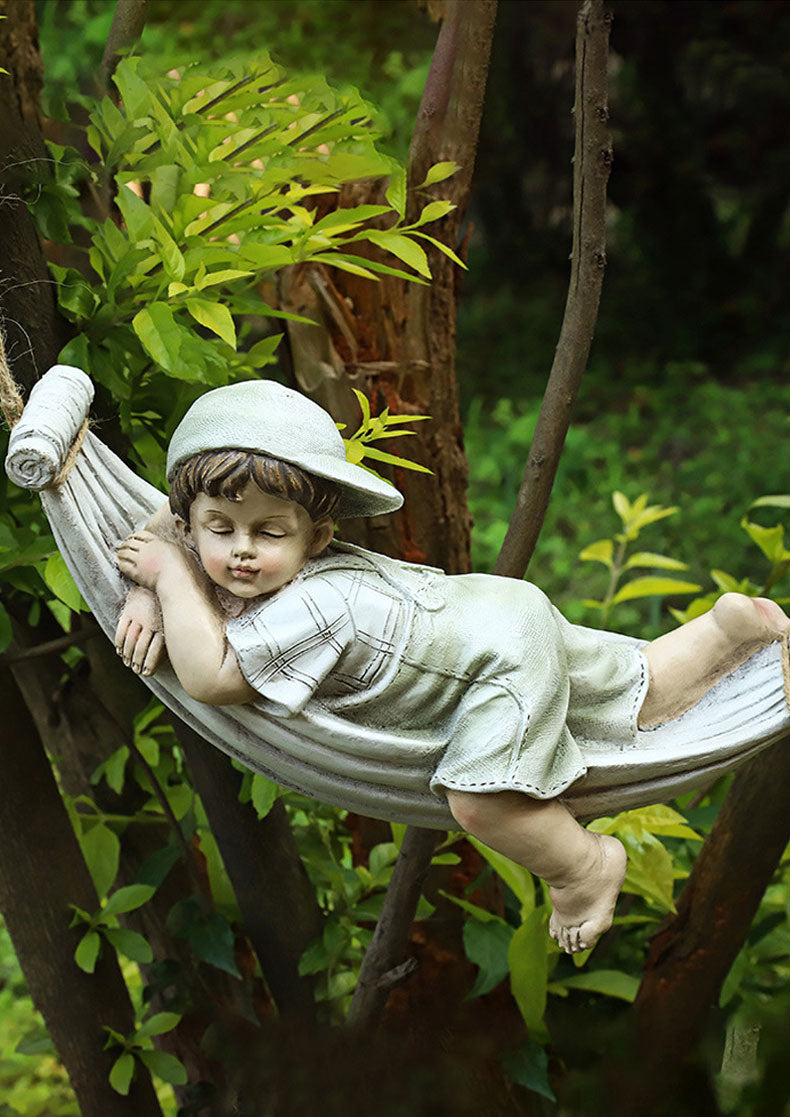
x: 692, y: 953
x: 28, y: 315
x: 35, y: 831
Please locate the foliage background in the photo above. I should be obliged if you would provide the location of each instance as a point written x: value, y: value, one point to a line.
x: 687, y: 395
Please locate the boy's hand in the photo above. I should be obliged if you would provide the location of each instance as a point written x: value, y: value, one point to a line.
x: 143, y: 557
x: 139, y: 639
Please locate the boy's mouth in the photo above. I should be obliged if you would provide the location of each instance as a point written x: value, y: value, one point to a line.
x: 243, y: 571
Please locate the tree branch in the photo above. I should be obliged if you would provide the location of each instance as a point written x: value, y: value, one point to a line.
x: 126, y: 28
x: 447, y: 128
x: 38, y: 845
x: 277, y: 902
x: 382, y: 968
x: 692, y: 953
x: 592, y: 162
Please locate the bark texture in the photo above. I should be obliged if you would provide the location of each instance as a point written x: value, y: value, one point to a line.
x: 126, y: 28
x: 396, y: 340
x: 692, y: 953
x: 33, y: 330
x: 35, y: 831
x: 281, y: 913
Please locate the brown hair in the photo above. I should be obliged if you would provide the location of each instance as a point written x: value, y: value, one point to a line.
x: 226, y: 472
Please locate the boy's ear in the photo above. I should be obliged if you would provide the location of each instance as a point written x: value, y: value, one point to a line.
x: 182, y: 528
x: 323, y: 532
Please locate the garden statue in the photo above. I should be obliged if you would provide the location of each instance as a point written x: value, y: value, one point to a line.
x: 379, y: 685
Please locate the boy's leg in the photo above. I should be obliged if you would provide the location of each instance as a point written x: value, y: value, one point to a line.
x: 685, y: 663
x: 583, y: 870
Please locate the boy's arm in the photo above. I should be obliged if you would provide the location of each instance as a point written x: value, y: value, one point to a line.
x: 194, y: 624
x: 139, y: 639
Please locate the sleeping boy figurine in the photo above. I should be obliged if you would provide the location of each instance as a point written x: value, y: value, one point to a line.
x: 476, y: 680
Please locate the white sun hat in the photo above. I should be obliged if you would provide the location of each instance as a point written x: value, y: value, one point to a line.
x: 264, y: 417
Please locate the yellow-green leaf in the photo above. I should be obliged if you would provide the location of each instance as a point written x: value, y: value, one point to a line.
x: 528, y: 960
x: 438, y: 173
x: 600, y: 551
x: 652, y: 587
x: 649, y: 558
x: 215, y: 317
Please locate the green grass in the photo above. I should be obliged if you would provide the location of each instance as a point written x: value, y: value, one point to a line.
x: 709, y: 449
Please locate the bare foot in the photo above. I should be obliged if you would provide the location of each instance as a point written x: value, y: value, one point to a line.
x: 583, y: 907
x: 749, y: 623
x: 685, y: 663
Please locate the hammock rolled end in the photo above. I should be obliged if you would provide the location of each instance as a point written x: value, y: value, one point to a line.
x: 55, y: 412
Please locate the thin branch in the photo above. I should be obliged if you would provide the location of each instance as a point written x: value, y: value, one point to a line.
x: 592, y: 162
x: 382, y: 968
x: 447, y: 127
x: 51, y: 647
x: 126, y: 28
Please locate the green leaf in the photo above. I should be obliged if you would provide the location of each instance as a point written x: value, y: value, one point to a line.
x: 128, y: 899
x: 58, y: 578
x: 770, y: 540
x: 445, y: 248
x: 396, y: 191
x: 483, y: 915
x: 393, y: 459
x: 516, y: 877
x: 129, y: 943
x: 87, y: 951
x: 650, y: 871
x: 650, y: 587
x: 612, y: 983
x: 622, y: 506
x: 101, y: 848
x: 782, y: 500
x: 528, y: 1066
x: 601, y: 551
x: 75, y: 295
x: 263, y: 794
x: 660, y: 562
x: 208, y: 933
x: 214, y: 316
x: 157, y: 1025
x: 487, y: 945
x: 438, y: 173
x: 402, y: 247
x: 138, y: 217
x: 433, y: 211
x: 226, y: 275
x: 165, y: 1066
x: 173, y: 260
x: 114, y: 767
x: 160, y: 334
x: 6, y: 632
x: 122, y: 1073
x: 263, y: 352
x: 528, y: 958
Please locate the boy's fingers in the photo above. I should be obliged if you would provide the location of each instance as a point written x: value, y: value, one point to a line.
x: 130, y: 640
x: 141, y: 649
x: 154, y: 655
x: 120, y: 633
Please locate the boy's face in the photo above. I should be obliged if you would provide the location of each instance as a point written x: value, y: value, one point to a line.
x: 255, y: 545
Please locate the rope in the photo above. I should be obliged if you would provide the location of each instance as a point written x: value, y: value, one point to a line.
x: 10, y: 397
x: 13, y: 405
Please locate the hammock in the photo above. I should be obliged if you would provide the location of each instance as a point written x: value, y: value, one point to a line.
x: 93, y: 501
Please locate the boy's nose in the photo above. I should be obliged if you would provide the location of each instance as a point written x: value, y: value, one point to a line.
x: 243, y: 548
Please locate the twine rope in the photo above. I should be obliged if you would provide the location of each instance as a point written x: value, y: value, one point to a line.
x: 13, y: 405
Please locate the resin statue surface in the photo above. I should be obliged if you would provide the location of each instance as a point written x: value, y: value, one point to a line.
x: 399, y: 685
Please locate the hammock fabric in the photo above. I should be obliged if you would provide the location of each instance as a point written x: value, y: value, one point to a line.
x: 98, y: 502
